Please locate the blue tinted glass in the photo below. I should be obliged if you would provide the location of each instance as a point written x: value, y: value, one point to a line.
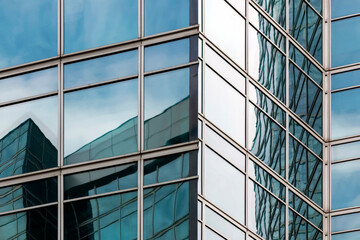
x: 341, y: 8
x: 346, y: 79
x: 345, y: 113
x: 345, y: 187
x: 28, y: 31
x: 167, y: 54
x: 94, y: 23
x: 347, y: 236
x: 345, y: 222
x: 345, y: 151
x: 344, y: 41
x: 112, y: 217
x: 167, y: 108
x: 276, y: 9
x: 29, y: 84
x: 100, y: 122
x: 299, y: 228
x: 166, y: 212
x: 166, y: 15
x: 100, y: 181
x: 39, y: 224
x: 101, y: 69
x: 317, y: 4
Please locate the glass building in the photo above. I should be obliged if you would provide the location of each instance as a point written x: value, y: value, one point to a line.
x: 180, y: 119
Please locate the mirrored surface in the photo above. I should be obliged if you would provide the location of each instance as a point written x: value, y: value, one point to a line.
x: 218, y: 174
x: 93, y: 23
x: 341, y: 8
x: 345, y: 222
x: 166, y: 15
x: 345, y: 151
x: 100, y: 122
x: 166, y: 108
x: 299, y: 228
x: 101, y: 69
x: 238, y: 5
x: 347, y: 236
x: 210, y: 234
x: 346, y: 79
x: 317, y: 4
x: 276, y: 9
x: 28, y: 136
x: 31, y: 37
x: 27, y: 85
x: 226, y: 28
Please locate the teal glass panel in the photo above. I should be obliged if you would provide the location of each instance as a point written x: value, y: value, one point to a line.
x: 305, y: 171
x: 166, y: 212
x: 100, y: 181
x: 317, y: 4
x: 166, y: 15
x: 347, y: 236
x: 28, y: 136
x: 344, y: 41
x: 101, y: 69
x: 276, y: 9
x: 167, y: 54
x: 29, y: 84
x: 228, y: 197
x: 341, y: 8
x: 93, y: 23
x: 345, y: 113
x: 28, y: 31
x: 267, y: 140
x: 345, y: 222
x: 267, y: 64
x: 162, y: 169
x: 28, y: 194
x: 166, y: 108
x: 345, y: 151
x: 101, y: 122
x: 39, y: 224
x: 345, y: 187
x: 266, y: 214
x: 299, y: 228
x: 305, y: 98
x: 111, y: 217
x: 345, y: 79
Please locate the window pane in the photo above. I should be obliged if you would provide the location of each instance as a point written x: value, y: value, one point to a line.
x: 166, y: 15
x: 347, y: 236
x: 28, y: 136
x: 341, y: 8
x: 276, y: 9
x: 345, y: 222
x: 345, y: 151
x: 167, y: 108
x: 101, y: 69
x: 101, y: 122
x: 30, y: 84
x: 346, y: 79
x: 31, y: 37
x: 301, y: 229
x: 94, y: 23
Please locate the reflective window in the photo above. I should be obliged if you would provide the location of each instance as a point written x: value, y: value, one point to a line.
x: 28, y: 194
x: 317, y: 4
x: 100, y: 122
x: 28, y: 136
x: 93, y: 23
x: 166, y: 212
x: 100, y: 181
x: 111, y: 217
x: 220, y: 99
x: 299, y: 228
x: 40, y: 224
x: 344, y: 41
x: 101, y: 69
x: 210, y: 234
x: 238, y: 5
x: 345, y: 187
x: 345, y: 151
x: 266, y: 140
x: 341, y: 8
x: 31, y: 37
x: 276, y: 9
x: 166, y: 108
x: 267, y: 64
x: 347, y: 236
x: 345, y: 222
x: 218, y: 174
x: 345, y: 113
x: 345, y: 79
x: 27, y: 85
x: 226, y: 28
x: 166, y: 15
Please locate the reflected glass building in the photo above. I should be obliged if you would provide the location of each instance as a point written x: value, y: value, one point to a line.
x: 179, y: 119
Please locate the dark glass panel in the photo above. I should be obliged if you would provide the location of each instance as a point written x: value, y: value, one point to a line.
x: 300, y: 229
x: 166, y: 108
x: 101, y: 69
x: 267, y: 140
x: 166, y: 212
x: 347, y: 236
x: 345, y: 151
x: 39, y: 224
x: 101, y: 122
x: 28, y: 31
x: 100, y: 181
x: 305, y: 98
x: 112, y: 217
x: 341, y: 8
x: 93, y: 23
x: 28, y: 136
x: 345, y: 79
x: 166, y: 15
x: 28, y: 194
x: 276, y: 9
x: 266, y: 214
x: 345, y: 222
x: 267, y: 64
x: 305, y: 171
